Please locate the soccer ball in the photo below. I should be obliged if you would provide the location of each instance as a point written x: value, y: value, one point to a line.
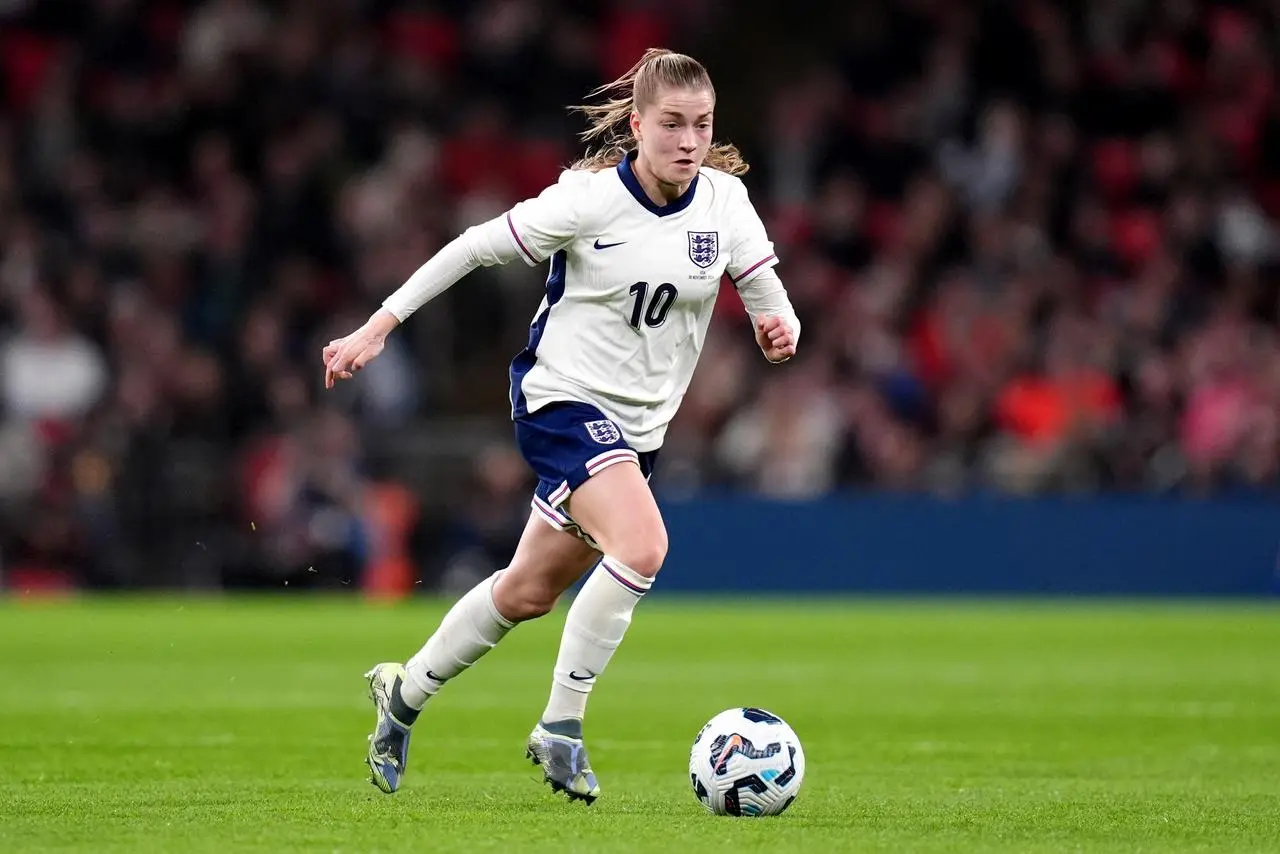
x: 746, y: 762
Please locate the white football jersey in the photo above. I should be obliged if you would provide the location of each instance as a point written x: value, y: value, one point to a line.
x: 631, y: 290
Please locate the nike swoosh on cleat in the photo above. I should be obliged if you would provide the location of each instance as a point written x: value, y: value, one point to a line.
x: 600, y: 245
x: 573, y: 674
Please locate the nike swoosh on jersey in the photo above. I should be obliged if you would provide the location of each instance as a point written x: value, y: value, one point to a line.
x: 600, y: 245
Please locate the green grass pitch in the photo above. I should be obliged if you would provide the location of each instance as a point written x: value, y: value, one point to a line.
x: 227, y: 725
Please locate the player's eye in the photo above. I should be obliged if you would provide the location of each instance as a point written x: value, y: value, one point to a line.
x: 669, y: 125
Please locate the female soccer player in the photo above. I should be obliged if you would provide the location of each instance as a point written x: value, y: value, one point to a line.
x: 639, y: 234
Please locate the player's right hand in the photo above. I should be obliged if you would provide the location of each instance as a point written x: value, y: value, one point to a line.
x: 775, y: 338
x: 344, y: 356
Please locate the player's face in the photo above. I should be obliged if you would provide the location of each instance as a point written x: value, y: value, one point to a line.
x: 674, y: 134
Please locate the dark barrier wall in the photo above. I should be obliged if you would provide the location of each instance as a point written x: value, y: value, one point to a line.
x: 1107, y: 545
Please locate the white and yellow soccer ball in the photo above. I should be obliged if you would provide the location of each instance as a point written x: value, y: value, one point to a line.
x: 746, y: 762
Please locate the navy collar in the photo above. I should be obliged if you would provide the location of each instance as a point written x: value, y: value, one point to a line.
x: 629, y: 180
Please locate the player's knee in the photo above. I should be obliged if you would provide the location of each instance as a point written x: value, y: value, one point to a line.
x: 524, y: 599
x: 538, y: 603
x: 643, y: 552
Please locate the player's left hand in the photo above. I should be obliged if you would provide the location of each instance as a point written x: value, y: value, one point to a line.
x: 775, y: 338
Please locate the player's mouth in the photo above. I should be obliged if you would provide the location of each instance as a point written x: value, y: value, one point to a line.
x: 685, y: 162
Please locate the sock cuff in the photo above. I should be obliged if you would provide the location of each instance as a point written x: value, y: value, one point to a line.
x: 493, y: 608
x: 625, y: 576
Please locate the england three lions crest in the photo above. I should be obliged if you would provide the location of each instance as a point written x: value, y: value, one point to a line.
x: 604, y: 432
x: 704, y: 247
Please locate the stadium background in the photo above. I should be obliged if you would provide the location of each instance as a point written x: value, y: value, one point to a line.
x: 1031, y: 242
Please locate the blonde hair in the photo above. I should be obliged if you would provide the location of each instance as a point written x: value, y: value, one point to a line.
x: 610, y: 121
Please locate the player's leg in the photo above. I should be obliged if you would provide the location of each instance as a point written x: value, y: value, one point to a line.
x: 618, y: 512
x: 550, y: 559
x: 547, y: 561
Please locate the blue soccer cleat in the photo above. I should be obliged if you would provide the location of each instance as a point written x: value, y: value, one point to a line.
x: 389, y: 743
x: 559, y: 750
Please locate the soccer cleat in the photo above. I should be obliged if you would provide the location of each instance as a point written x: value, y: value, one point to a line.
x: 563, y: 758
x: 389, y: 743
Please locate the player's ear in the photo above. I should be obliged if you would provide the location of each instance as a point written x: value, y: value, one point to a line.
x: 635, y: 124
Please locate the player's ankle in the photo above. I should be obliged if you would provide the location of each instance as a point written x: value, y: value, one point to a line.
x: 567, y: 727
x: 399, y: 709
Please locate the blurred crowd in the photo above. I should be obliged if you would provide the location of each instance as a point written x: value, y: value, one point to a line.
x: 1031, y: 243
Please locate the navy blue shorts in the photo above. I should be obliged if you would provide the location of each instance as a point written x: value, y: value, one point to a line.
x: 566, y: 443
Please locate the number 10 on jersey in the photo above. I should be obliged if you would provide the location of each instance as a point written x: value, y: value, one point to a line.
x: 655, y: 312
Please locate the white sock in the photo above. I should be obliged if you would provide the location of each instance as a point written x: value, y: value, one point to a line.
x: 594, y: 627
x: 472, y: 627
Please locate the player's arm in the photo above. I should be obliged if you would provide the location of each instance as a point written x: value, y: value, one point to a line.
x: 531, y: 231
x: 776, y: 326
x: 751, y: 263
x: 480, y: 245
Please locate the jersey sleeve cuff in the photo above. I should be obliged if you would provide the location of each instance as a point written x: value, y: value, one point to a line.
x: 398, y: 310
x: 754, y: 269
